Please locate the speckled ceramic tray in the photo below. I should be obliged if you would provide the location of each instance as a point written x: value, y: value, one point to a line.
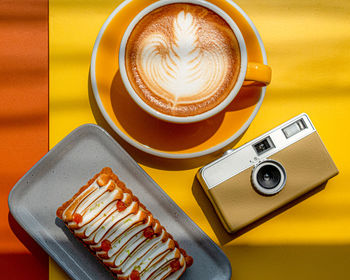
x: 68, y: 166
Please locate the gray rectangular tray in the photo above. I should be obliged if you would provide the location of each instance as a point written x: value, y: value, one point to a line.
x: 68, y: 166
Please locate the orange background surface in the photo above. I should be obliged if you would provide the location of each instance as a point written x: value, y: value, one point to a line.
x: 23, y: 124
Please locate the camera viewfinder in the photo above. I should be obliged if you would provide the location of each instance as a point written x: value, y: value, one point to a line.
x: 263, y: 146
x: 294, y: 128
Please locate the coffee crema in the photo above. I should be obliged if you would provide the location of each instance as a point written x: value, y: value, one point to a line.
x: 182, y: 59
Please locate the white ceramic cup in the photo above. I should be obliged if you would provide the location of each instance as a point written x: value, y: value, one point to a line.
x: 194, y: 118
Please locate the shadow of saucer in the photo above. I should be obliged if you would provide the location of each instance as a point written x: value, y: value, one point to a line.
x: 155, y: 133
x: 223, y: 236
x: 141, y: 156
x: 161, y: 135
x: 149, y: 159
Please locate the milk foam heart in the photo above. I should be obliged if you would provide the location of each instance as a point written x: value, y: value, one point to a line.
x: 182, y: 59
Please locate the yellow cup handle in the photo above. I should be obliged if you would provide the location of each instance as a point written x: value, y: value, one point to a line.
x: 258, y: 74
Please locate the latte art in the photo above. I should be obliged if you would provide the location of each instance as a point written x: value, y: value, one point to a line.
x: 182, y: 59
x: 185, y: 73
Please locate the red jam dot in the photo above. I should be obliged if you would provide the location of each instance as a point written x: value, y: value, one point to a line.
x: 77, y: 218
x: 121, y: 206
x: 175, y: 265
x: 106, y: 245
x: 135, y: 275
x: 189, y: 261
x: 148, y: 232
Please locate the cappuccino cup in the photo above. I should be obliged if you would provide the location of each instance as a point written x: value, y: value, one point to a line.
x: 185, y: 61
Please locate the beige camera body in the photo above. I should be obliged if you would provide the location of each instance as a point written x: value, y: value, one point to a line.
x: 267, y: 173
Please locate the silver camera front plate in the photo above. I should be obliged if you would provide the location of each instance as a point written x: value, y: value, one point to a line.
x: 257, y: 150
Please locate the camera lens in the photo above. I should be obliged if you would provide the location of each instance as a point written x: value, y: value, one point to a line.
x: 269, y: 177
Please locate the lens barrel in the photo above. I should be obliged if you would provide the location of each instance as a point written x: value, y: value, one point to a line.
x: 269, y: 177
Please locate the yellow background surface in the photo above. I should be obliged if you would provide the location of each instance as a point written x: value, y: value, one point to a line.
x: 307, y: 44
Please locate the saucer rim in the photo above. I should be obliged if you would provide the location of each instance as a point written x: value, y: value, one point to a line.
x: 150, y: 150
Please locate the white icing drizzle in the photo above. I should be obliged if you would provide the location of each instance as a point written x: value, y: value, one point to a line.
x: 140, y: 255
x: 89, y: 228
x: 130, y: 249
x: 83, y: 194
x: 108, y: 226
x: 148, y: 256
x: 160, y: 262
x: 166, y: 271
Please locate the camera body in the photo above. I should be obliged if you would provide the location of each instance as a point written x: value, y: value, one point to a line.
x: 263, y: 175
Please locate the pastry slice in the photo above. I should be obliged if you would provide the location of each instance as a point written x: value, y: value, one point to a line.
x: 121, y: 232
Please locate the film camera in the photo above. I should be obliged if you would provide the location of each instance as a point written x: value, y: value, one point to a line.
x: 249, y: 182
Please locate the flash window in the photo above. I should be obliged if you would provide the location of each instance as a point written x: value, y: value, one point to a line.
x: 294, y: 128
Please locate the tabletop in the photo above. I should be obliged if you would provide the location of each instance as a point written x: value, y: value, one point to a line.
x: 45, y: 94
